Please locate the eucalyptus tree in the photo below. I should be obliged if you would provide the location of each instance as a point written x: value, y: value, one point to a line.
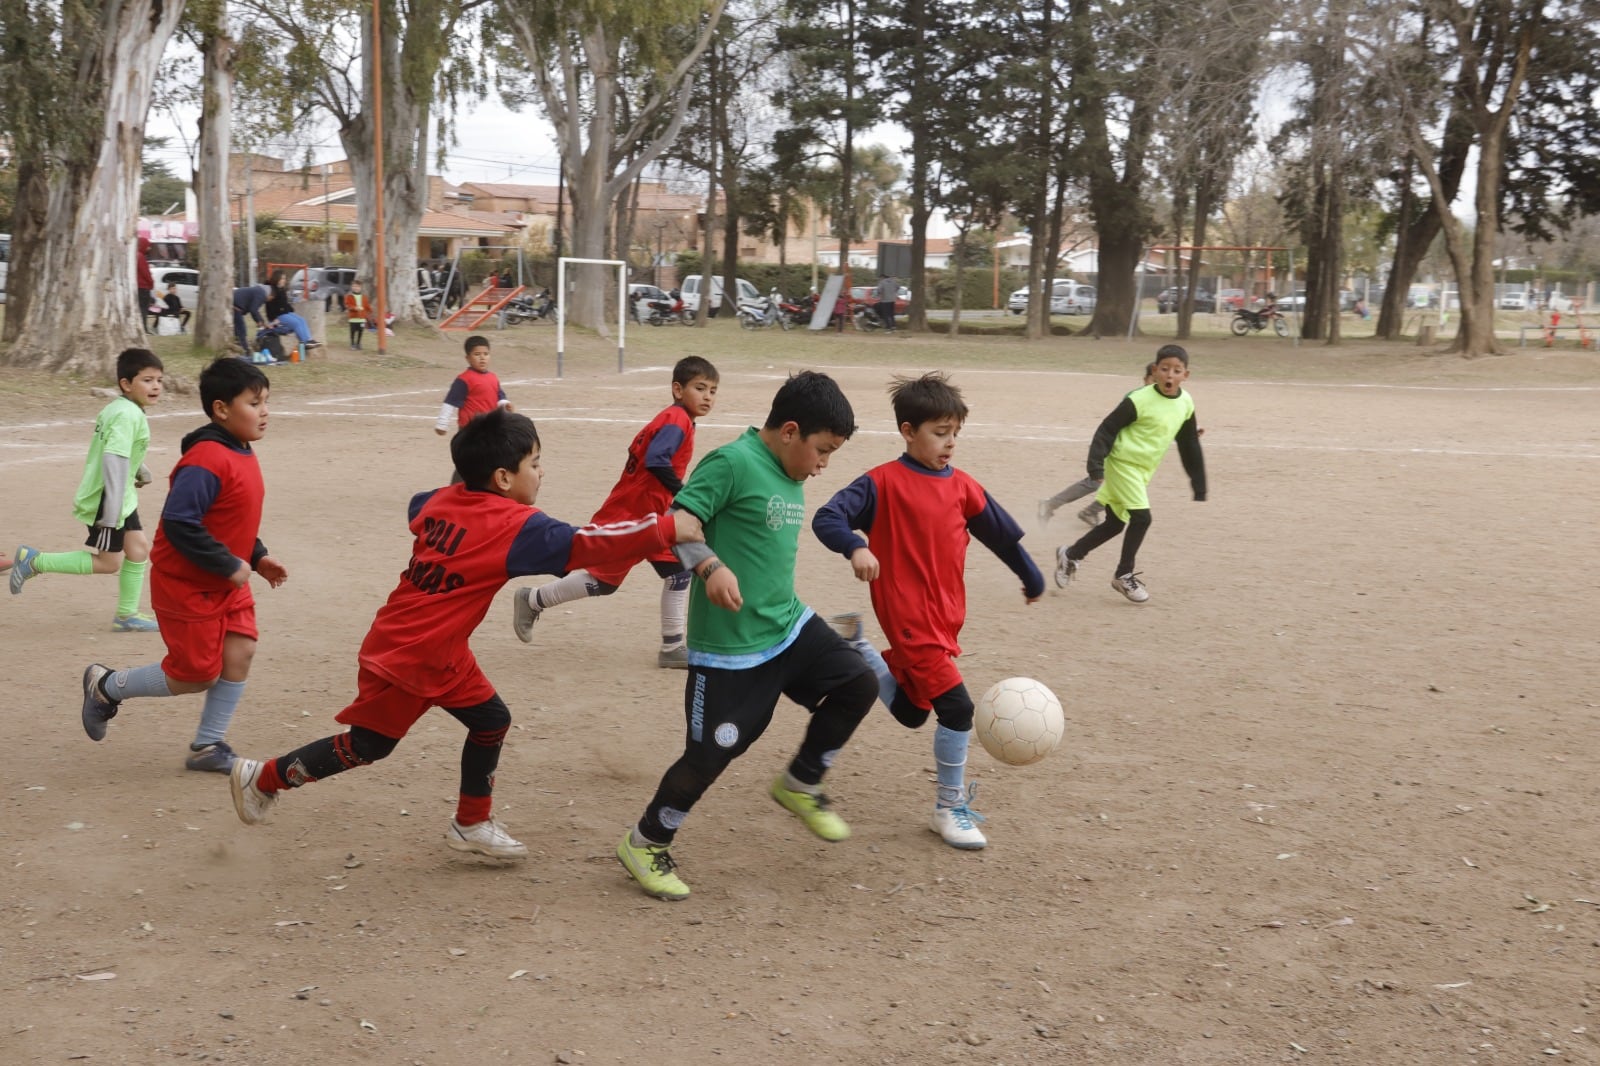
x: 582, y: 56
x: 76, y: 80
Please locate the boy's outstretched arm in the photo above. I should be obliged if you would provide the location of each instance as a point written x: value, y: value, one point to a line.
x: 999, y: 532
x: 1194, y: 461
x: 1121, y: 417
x: 547, y: 545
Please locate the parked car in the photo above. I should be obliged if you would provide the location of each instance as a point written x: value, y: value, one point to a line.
x: 1060, y: 291
x: 690, y: 290
x: 1167, y: 300
x: 1514, y: 301
x: 328, y: 284
x: 1231, y: 299
x: 186, y: 278
x: 1073, y: 300
x: 1296, y: 302
x: 869, y: 294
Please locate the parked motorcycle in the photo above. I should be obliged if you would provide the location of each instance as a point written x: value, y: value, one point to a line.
x: 529, y: 308
x: 760, y: 315
x: 668, y: 312
x: 1247, y: 321
x: 797, y: 313
x: 866, y: 317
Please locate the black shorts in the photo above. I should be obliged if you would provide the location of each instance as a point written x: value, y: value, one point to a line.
x: 106, y: 539
x: 730, y: 709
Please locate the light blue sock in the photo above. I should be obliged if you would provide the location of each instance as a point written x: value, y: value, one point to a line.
x: 222, y: 699
x: 950, y: 759
x: 880, y: 669
x: 148, y: 680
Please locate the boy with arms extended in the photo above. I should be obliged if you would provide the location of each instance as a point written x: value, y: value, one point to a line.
x: 751, y: 640
x: 919, y: 512
x: 107, y: 500
x: 1125, y: 452
x: 470, y: 538
x: 658, y: 460
x: 205, y: 550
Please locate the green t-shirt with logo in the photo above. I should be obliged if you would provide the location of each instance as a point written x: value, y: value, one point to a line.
x: 752, y: 513
x: 121, y: 429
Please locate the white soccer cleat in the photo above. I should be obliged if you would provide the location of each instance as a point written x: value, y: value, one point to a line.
x: 1066, y: 568
x: 485, y: 838
x: 958, y: 825
x: 250, y: 802
x: 1130, y: 586
x: 524, y: 613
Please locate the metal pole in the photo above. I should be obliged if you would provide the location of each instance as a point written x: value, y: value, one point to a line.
x: 561, y: 306
x: 380, y: 279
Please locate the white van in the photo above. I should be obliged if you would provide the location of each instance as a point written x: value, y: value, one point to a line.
x: 690, y: 290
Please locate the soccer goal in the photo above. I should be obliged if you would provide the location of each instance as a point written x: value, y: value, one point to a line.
x: 561, y: 306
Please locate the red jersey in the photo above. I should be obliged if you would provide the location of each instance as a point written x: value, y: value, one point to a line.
x: 474, y: 392
x: 469, y: 542
x: 658, y: 461
x: 214, y: 501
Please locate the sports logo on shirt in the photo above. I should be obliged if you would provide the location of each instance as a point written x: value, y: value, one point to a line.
x: 775, y: 513
x: 781, y: 512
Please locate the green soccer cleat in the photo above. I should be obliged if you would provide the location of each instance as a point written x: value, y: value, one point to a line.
x: 653, y: 868
x: 812, y: 809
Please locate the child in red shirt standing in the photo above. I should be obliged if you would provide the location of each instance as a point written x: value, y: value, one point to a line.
x: 470, y: 538
x: 475, y: 390
x: 658, y: 461
x: 920, y: 512
x: 205, y: 550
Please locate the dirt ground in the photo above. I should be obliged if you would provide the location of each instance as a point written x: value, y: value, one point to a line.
x: 1329, y: 795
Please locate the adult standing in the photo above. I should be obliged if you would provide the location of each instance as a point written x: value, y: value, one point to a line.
x: 888, y: 292
x: 146, y: 282
x: 248, y: 300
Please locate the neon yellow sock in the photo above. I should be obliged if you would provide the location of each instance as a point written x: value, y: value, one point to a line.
x: 130, y: 583
x: 80, y: 562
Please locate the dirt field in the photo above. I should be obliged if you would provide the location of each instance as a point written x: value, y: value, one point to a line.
x: 1329, y: 795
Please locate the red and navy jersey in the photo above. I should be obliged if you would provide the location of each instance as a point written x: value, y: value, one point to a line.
x: 658, y: 461
x: 918, y: 521
x: 210, y: 521
x: 474, y: 392
x: 469, y: 542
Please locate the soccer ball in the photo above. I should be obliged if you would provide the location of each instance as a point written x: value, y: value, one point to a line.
x: 1018, y: 721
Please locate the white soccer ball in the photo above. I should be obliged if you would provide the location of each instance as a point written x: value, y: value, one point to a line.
x: 1018, y: 721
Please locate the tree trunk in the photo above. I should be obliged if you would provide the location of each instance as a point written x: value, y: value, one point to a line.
x: 213, y: 319
x: 76, y: 306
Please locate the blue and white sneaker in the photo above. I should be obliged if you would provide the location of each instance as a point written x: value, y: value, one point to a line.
x: 134, y: 623
x: 212, y: 758
x: 22, y: 567
x: 958, y: 825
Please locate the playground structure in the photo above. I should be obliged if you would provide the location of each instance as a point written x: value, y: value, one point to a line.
x: 1553, y: 326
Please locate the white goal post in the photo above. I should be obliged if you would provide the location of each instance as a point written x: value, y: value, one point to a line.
x: 561, y: 306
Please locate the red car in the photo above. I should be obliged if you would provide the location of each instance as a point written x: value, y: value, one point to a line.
x: 1232, y: 299
x: 869, y: 294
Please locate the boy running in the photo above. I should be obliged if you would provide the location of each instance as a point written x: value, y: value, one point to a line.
x: 205, y: 550
x: 470, y: 538
x: 751, y: 640
x: 1125, y: 452
x: 658, y: 460
x: 919, y: 512
x: 1093, y: 512
x: 108, y: 499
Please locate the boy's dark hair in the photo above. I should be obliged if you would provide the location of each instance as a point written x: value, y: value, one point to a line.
x: 814, y: 402
x: 495, y: 440
x: 926, y: 399
x: 228, y: 377
x: 474, y: 341
x: 133, y: 360
x: 1171, y: 351
x: 692, y: 366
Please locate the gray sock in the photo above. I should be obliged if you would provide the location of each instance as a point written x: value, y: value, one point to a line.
x: 148, y: 680
x: 222, y: 699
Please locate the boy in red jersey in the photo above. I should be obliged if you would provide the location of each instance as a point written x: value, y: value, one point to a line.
x: 475, y: 390
x: 206, y: 547
x: 658, y: 461
x: 470, y: 538
x: 919, y: 511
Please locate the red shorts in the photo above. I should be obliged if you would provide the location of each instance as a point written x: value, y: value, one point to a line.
x: 194, y: 647
x: 384, y: 707
x: 923, y: 672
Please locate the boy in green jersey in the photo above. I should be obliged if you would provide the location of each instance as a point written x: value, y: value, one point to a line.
x: 750, y: 638
x: 1125, y: 452
x: 107, y: 500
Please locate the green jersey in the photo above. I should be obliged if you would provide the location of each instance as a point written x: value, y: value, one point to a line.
x: 752, y: 512
x: 121, y: 430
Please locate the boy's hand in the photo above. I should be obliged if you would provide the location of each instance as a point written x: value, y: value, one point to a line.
x: 439, y: 431
x: 1031, y: 599
x: 274, y: 571
x: 142, y: 476
x: 687, y: 528
x: 865, y: 564
x: 722, y: 589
